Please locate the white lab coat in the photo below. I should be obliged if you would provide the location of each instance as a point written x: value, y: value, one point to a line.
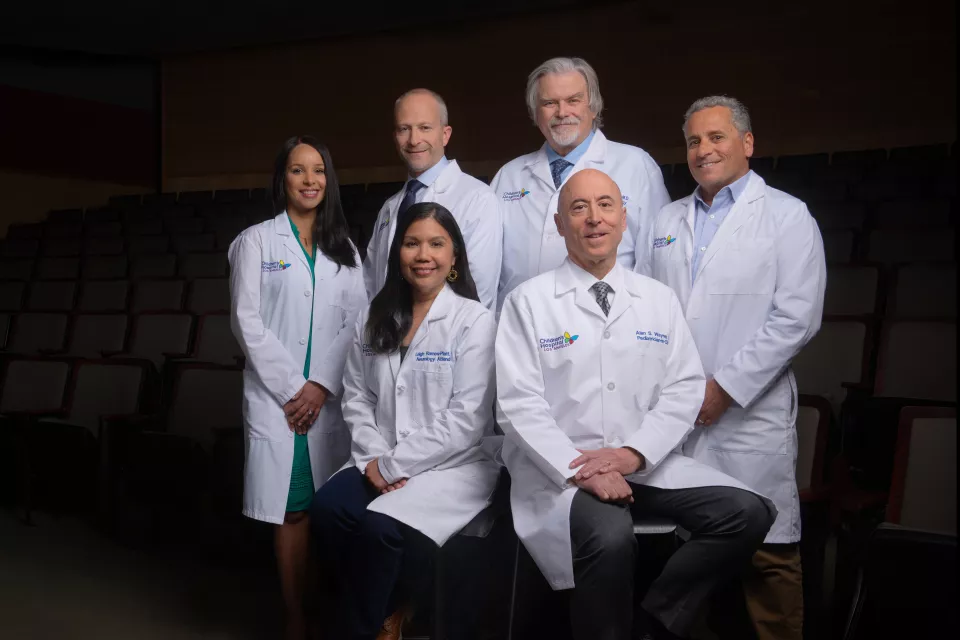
x: 425, y: 418
x: 569, y: 378
x: 477, y: 212
x: 271, y: 299
x: 531, y: 244
x: 756, y: 300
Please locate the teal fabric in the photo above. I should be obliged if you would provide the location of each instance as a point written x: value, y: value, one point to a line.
x: 301, y: 476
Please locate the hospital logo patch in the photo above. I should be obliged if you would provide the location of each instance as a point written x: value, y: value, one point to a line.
x: 560, y: 342
x: 513, y: 196
x: 653, y: 336
x: 367, y: 351
x: 383, y: 224
x: 270, y: 267
x: 659, y: 243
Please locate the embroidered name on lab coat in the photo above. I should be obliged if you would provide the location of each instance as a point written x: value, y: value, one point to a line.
x: 433, y: 356
x: 653, y: 336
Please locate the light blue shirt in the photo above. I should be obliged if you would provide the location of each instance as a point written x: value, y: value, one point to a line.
x: 573, y: 157
x: 709, y: 217
x: 429, y: 176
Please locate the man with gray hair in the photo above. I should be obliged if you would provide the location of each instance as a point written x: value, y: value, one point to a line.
x: 747, y: 263
x: 564, y: 101
x: 421, y: 132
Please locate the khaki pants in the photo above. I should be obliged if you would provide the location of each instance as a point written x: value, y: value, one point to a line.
x: 773, y: 588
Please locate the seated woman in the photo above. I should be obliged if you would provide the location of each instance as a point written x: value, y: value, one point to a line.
x: 418, y: 401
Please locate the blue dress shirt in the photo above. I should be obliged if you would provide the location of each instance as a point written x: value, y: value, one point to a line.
x: 709, y: 217
x: 573, y: 157
x: 429, y: 176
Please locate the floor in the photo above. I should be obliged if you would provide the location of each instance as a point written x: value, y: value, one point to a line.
x: 62, y: 579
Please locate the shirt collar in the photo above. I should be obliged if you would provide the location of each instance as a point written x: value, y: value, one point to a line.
x: 430, y: 176
x: 585, y: 280
x: 734, y: 190
x: 574, y: 156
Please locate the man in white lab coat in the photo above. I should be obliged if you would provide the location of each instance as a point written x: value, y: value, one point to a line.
x: 747, y: 263
x: 563, y: 99
x: 598, y: 382
x: 422, y: 132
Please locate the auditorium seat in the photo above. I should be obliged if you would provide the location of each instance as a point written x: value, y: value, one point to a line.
x: 25, y: 248
x: 225, y: 238
x: 203, y: 265
x: 100, y: 215
x: 838, y: 246
x: 104, y: 267
x: 34, y: 333
x: 804, y: 164
x: 157, y: 295
x: 65, y: 215
x: 104, y: 246
x: 229, y: 196
x: 11, y: 295
x: 126, y: 201
x: 923, y: 493
x: 159, y: 199
x: 207, y: 295
x: 68, y: 229
x: 16, y: 268
x: 139, y: 245
x: 58, y: 269
x: 193, y: 415
x: 103, y: 295
x: 259, y: 195
x: 762, y: 166
x: 194, y: 243
x: 184, y: 226
x: 893, y: 246
x: 813, y: 422
x: 178, y: 212
x: 144, y: 227
x: 866, y: 159
x: 383, y: 190
x: 851, y: 290
x: 34, y: 386
x: 912, y: 215
x: 838, y: 354
x: 109, y: 228
x: 821, y: 192
x: 25, y: 231
x: 154, y: 336
x: 215, y: 340
x: 93, y: 334
x: 195, y: 197
x: 917, y: 360
x: 62, y: 247
x: 154, y: 266
x: 5, y: 320
x: 834, y: 216
x: 51, y: 295
x: 923, y: 291
x: 923, y: 155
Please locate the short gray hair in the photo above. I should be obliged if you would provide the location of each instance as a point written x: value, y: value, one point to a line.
x: 566, y: 65
x: 738, y: 112
x: 444, y: 116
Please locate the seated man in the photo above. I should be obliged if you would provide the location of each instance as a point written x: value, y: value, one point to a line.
x: 598, y: 383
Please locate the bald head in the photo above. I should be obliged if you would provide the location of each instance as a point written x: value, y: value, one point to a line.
x: 587, y: 181
x: 591, y: 218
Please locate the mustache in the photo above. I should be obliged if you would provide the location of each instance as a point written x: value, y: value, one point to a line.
x: 568, y: 120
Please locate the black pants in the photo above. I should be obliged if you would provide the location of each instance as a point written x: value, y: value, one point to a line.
x: 726, y: 525
x: 379, y: 563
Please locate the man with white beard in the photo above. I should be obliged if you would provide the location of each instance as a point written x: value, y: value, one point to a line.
x: 563, y: 99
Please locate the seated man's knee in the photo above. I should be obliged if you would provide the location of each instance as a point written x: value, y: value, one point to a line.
x: 754, y: 515
x: 612, y: 537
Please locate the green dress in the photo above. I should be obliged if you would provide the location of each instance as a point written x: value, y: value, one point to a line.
x: 301, y: 476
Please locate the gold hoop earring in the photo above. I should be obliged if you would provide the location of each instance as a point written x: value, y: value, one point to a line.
x: 453, y: 275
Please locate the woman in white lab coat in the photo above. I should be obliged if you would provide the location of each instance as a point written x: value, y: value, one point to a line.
x: 418, y: 400
x: 296, y: 287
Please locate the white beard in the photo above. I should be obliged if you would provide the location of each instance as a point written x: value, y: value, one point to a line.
x: 561, y: 139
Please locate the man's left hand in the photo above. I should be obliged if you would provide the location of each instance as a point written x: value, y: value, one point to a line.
x: 715, y: 402
x: 622, y: 460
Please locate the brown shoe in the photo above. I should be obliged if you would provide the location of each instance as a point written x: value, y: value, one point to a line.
x: 392, y: 626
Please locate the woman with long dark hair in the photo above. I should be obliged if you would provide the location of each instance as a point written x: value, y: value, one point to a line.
x: 296, y: 287
x: 418, y: 401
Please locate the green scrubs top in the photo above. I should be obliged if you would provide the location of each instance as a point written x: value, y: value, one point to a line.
x: 301, y: 477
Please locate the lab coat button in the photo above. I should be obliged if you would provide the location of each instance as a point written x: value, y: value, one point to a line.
x: 400, y: 388
x: 606, y: 334
x: 306, y: 293
x: 703, y: 248
x: 302, y: 341
x: 611, y: 386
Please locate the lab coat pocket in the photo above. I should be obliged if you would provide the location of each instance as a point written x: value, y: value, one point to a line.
x: 747, y: 268
x: 431, y: 386
x: 760, y: 430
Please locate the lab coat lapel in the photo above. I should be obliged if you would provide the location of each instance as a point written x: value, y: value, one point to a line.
x: 539, y: 167
x: 744, y: 209
x: 446, y: 180
x: 438, y: 310
x: 282, y: 226
x: 624, y: 294
x: 567, y: 282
